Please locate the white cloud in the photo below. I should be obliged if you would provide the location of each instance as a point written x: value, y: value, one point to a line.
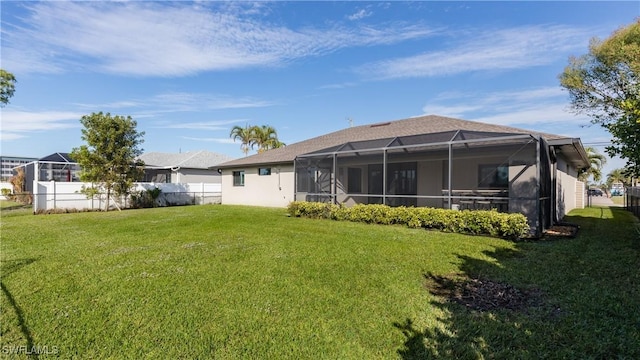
x: 360, y: 14
x: 169, y: 39
x: 503, y: 49
x: 215, y: 140
x: 16, y: 124
x: 537, y: 106
x: 179, y: 102
x: 203, y: 125
x: 338, y: 86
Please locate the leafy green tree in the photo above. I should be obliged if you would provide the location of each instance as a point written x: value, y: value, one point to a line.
x: 109, y: 159
x: 596, y: 161
x: 605, y: 85
x: 7, y: 86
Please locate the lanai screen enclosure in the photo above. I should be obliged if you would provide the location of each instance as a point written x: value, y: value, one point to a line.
x: 453, y: 169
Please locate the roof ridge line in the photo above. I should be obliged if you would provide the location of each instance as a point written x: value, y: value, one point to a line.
x: 190, y: 157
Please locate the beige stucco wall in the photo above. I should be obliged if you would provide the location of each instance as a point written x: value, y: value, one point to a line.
x: 275, y: 190
x: 569, y: 191
x: 196, y: 176
x: 430, y: 182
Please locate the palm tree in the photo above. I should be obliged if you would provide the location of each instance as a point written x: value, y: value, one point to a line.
x: 245, y: 135
x: 596, y: 161
x: 265, y: 137
x: 617, y: 175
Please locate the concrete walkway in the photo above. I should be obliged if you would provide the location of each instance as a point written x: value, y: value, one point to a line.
x: 599, y: 201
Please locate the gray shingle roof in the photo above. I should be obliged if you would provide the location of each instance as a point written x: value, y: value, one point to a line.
x: 58, y: 157
x: 413, y: 126
x: 201, y: 159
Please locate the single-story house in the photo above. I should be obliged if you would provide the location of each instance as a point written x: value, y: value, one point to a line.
x: 429, y: 160
x: 187, y: 167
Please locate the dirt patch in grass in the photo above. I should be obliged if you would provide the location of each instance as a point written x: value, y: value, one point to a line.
x: 562, y: 230
x: 482, y: 294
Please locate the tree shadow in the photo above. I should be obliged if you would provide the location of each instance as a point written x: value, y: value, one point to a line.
x: 570, y: 298
x: 8, y: 267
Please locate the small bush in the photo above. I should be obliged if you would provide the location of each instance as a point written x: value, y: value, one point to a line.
x: 62, y: 211
x: 481, y: 222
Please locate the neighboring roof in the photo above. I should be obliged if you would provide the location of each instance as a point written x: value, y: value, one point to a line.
x: 428, y: 124
x: 201, y: 159
x: 58, y: 157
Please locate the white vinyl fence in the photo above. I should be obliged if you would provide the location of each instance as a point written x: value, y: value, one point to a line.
x: 50, y: 195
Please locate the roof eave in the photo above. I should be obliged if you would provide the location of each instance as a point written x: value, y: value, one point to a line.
x: 573, y: 149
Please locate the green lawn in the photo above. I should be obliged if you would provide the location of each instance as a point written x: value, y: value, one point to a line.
x: 245, y: 282
x: 12, y: 205
x: 618, y: 199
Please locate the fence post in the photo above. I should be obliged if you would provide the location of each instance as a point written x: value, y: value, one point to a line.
x: 53, y: 185
x: 35, y: 196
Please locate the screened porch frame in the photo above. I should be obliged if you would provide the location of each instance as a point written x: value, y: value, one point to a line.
x: 396, y: 143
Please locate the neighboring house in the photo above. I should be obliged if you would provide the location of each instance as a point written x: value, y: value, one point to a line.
x: 55, y: 167
x: 9, y: 162
x: 188, y: 167
x: 423, y: 161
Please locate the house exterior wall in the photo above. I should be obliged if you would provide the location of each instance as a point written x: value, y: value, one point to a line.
x: 275, y: 190
x: 430, y: 175
x: 196, y: 176
x: 569, y: 195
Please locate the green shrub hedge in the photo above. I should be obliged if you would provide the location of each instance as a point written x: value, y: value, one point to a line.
x: 477, y: 222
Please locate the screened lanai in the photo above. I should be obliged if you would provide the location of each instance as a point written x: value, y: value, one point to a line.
x: 461, y: 169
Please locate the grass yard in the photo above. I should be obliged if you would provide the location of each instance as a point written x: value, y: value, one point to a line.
x: 619, y: 200
x: 12, y: 205
x: 243, y: 282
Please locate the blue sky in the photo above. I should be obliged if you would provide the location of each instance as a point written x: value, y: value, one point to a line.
x: 189, y: 71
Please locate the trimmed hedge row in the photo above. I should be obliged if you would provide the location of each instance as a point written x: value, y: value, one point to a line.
x: 477, y: 222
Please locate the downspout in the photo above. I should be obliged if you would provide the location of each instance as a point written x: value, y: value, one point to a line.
x: 450, y: 173
x: 538, y: 172
x: 554, y: 182
x: 384, y: 176
x: 334, y: 189
x: 295, y: 180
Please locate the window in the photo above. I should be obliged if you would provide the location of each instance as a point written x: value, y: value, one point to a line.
x: 354, y: 180
x: 264, y: 171
x: 402, y: 179
x: 493, y: 176
x: 238, y: 178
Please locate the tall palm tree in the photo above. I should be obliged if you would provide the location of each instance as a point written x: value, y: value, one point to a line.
x: 265, y: 137
x: 244, y: 135
x: 617, y: 175
x: 596, y: 161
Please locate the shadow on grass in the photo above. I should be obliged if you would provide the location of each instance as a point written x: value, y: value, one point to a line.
x: 9, y: 267
x: 580, y: 298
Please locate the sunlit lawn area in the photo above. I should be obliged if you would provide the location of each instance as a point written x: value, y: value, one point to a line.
x: 12, y: 205
x: 244, y: 282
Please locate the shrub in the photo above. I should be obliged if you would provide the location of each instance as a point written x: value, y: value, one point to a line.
x: 480, y: 222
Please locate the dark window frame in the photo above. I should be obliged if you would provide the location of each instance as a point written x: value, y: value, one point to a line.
x: 264, y: 171
x: 493, y: 176
x: 354, y: 180
x: 238, y: 178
